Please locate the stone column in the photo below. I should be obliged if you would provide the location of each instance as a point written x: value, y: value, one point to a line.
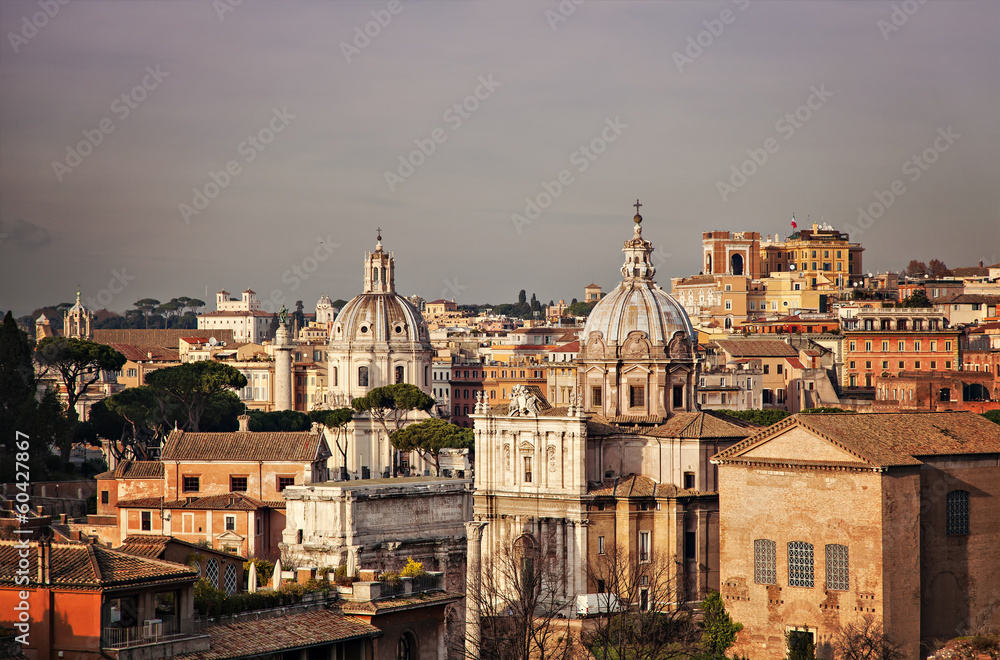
x: 581, y: 544
x: 571, y: 568
x: 283, y: 399
x: 473, y: 581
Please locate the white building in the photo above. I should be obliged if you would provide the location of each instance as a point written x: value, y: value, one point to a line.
x: 249, y: 323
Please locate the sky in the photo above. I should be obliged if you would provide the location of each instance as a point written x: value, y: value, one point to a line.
x: 163, y: 149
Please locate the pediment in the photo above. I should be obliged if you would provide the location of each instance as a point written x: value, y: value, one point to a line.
x: 527, y: 447
x: 798, y: 444
x: 230, y: 535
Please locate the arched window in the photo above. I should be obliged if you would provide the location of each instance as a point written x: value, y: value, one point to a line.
x: 334, y: 377
x: 212, y: 572
x: 375, y: 275
x: 400, y: 373
x: 230, y: 579
x: 362, y: 376
x: 406, y: 649
x: 957, y: 513
x: 708, y: 264
x: 737, y: 264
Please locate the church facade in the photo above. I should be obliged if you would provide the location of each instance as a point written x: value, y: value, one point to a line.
x: 624, y: 468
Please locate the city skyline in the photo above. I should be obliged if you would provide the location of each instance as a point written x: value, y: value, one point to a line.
x: 306, y: 127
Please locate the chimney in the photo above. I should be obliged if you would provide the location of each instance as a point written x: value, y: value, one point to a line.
x: 244, y: 423
x: 41, y: 562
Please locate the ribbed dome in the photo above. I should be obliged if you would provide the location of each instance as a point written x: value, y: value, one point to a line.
x: 638, y: 305
x: 379, y: 317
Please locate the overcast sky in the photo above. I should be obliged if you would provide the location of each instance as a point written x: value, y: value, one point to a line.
x: 671, y: 94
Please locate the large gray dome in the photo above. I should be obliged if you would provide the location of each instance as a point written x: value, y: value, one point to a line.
x: 638, y: 305
x: 379, y: 317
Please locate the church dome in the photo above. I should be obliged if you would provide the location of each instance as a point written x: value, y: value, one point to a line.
x: 638, y: 303
x: 379, y: 317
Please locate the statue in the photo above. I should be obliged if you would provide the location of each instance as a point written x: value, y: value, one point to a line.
x: 283, y: 315
x: 523, y: 402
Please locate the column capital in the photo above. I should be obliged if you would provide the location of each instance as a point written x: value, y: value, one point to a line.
x: 474, y: 529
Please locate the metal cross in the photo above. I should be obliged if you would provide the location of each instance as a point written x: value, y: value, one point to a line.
x: 637, y: 205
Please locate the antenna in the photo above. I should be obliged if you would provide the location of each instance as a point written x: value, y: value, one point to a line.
x: 212, y: 341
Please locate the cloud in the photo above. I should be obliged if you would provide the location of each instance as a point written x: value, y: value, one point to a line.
x: 23, y: 235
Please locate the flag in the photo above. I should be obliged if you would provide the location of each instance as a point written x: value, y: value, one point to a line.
x: 794, y: 226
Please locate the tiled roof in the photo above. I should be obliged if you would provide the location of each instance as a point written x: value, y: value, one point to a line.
x: 970, y: 271
x: 271, y: 636
x: 89, y: 565
x: 888, y: 439
x: 572, y: 347
x: 966, y: 299
x: 243, y: 446
x: 145, y: 353
x: 697, y: 279
x: 134, y: 470
x: 421, y: 599
x: 795, y: 363
x: 635, y: 485
x: 239, y: 312
x: 229, y: 501
x: 635, y: 419
x: 703, y: 425
x: 756, y: 348
x: 165, y: 338
x: 145, y: 546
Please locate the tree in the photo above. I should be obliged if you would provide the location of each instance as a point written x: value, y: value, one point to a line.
x: 79, y: 364
x: 649, y: 618
x: 917, y: 299
x: 936, y: 268
x: 864, y: 639
x: 146, y: 418
x: 718, y: 628
x: 761, y: 417
x: 993, y: 416
x: 391, y: 404
x: 22, y: 416
x: 337, y: 421
x: 579, y: 308
x: 195, y: 384
x: 146, y: 306
x: 279, y: 420
x: 429, y: 437
x: 519, y: 598
x: 800, y: 645
x: 915, y: 269
x: 522, y: 297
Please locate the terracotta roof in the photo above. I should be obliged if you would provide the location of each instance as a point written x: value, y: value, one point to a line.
x: 166, y: 338
x: 269, y: 636
x: 697, y: 279
x: 703, y: 425
x: 970, y: 271
x: 245, y: 446
x: 145, y: 546
x: 756, y: 348
x: 229, y: 501
x: 139, y: 469
x: 572, y: 347
x: 795, y: 363
x: 888, y: 439
x: 385, y: 606
x: 241, y: 312
x: 966, y: 299
x: 93, y: 566
x: 635, y: 485
x: 635, y: 419
x: 592, y: 286
x: 143, y: 353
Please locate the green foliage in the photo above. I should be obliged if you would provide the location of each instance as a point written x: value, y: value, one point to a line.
x: 993, y: 416
x: 827, y: 411
x: 195, y: 385
x: 718, y: 628
x: 430, y: 436
x: 761, y: 417
x: 412, y: 568
x: 92, y: 504
x: 390, y: 399
x: 917, y: 299
x: 265, y: 571
x: 332, y: 418
x: 579, y: 308
x: 79, y: 364
x: 800, y: 645
x: 210, y: 601
x: 279, y: 420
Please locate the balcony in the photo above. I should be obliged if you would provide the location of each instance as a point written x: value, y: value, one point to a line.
x: 154, y: 638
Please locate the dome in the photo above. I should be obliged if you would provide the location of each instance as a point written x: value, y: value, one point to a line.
x: 638, y: 306
x: 379, y: 317
x: 637, y: 303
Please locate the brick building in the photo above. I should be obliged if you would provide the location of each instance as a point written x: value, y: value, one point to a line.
x: 820, y: 250
x: 828, y: 517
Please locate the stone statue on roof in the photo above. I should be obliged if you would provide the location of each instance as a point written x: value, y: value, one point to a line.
x: 523, y: 402
x: 283, y: 316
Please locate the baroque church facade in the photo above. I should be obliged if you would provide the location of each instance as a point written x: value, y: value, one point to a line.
x: 624, y: 468
x: 378, y: 338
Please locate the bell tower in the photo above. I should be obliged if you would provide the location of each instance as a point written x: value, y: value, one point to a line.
x: 380, y: 269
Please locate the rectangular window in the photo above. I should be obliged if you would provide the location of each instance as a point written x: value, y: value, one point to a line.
x: 238, y: 484
x: 779, y: 369
x: 916, y: 364
x: 595, y: 396
x: 902, y: 364
x: 868, y: 346
x: 146, y: 521
x: 765, y: 561
x: 191, y: 484
x: 947, y: 346
x: 800, y: 564
x: 837, y: 571
x: 916, y: 346
x: 689, y: 480
x: 854, y: 346
x: 600, y: 545
x: 957, y: 513
x: 933, y: 364
x: 853, y: 364
x: 637, y: 396
x: 285, y: 482
x: 690, y: 546
x: 729, y: 304
x: 885, y: 364
x: 933, y: 345
x: 230, y: 523
x: 527, y: 469
x: 104, y: 497
x: 260, y: 525
x: 767, y: 368
x: 947, y: 364
x: 885, y: 346
x: 644, y: 546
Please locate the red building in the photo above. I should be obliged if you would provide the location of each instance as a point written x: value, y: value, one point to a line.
x: 881, y: 342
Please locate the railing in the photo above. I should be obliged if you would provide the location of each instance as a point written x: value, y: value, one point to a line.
x: 148, y: 632
x: 411, y: 585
